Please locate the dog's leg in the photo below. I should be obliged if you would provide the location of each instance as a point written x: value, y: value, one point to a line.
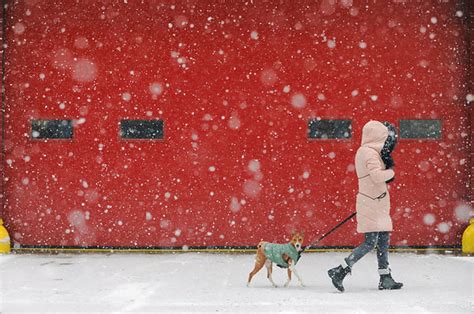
x: 293, y: 269
x: 289, y: 261
x: 268, y: 263
x: 287, y: 283
x: 259, y: 262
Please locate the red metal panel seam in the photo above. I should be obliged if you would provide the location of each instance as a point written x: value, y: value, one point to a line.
x: 469, y: 87
x: 470, y: 83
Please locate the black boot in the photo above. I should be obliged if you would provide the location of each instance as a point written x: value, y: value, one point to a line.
x: 337, y: 275
x: 387, y: 283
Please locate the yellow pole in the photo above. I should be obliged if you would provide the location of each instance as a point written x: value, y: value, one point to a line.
x: 468, y: 238
x: 4, y: 239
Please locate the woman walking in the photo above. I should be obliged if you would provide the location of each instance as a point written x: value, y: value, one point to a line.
x: 373, y: 164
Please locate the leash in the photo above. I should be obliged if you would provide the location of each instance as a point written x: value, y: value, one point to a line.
x: 329, y: 232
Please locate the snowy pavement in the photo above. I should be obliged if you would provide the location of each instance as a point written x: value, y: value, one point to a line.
x: 201, y: 282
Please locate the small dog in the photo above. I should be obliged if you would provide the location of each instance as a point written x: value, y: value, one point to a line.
x: 284, y: 255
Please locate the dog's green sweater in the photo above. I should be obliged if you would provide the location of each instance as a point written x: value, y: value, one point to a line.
x: 274, y: 252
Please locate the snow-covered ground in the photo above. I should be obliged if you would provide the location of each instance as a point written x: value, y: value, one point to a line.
x: 193, y: 282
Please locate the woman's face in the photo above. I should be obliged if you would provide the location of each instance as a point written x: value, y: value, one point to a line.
x: 392, y: 138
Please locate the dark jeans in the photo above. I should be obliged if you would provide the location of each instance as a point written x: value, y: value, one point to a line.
x: 380, y: 240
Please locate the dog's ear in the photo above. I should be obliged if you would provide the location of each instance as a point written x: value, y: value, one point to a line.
x: 293, y: 232
x: 302, y: 233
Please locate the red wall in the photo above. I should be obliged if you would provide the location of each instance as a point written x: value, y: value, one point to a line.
x: 2, y: 199
x: 2, y: 105
x: 470, y: 75
x: 224, y: 68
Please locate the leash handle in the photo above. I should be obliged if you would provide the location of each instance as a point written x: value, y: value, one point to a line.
x: 331, y: 231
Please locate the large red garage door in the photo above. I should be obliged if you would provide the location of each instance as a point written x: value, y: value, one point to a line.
x: 221, y: 123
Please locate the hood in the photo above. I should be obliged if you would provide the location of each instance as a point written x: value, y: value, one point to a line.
x: 374, y: 134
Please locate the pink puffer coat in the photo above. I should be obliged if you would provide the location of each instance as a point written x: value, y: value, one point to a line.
x: 373, y: 199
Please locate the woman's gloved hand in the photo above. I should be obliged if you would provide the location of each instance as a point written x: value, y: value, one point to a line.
x: 389, y: 163
x: 387, y: 160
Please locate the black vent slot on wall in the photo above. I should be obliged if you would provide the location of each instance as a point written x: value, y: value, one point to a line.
x: 141, y: 129
x: 420, y: 129
x: 329, y: 129
x: 51, y: 129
